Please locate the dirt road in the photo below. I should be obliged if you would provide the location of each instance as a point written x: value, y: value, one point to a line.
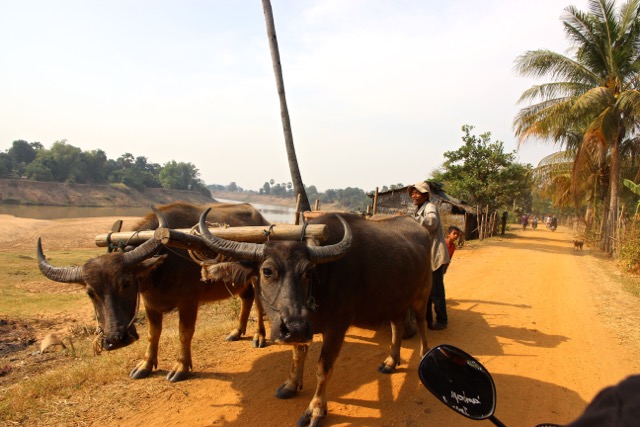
x: 552, y: 325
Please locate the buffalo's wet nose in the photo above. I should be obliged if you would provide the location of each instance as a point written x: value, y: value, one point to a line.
x: 121, y: 339
x: 295, y: 330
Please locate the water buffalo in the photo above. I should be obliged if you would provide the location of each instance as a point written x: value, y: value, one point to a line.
x: 369, y: 273
x: 166, y: 279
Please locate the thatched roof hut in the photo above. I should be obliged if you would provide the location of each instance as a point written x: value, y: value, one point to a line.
x: 399, y: 201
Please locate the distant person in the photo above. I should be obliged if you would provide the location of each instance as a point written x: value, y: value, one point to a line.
x: 525, y: 221
x: 505, y: 214
x: 451, y: 239
x: 427, y: 215
x: 554, y: 222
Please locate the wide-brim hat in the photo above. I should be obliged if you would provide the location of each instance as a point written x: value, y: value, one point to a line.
x: 421, y: 186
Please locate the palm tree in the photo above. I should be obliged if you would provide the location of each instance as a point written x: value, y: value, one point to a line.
x: 296, y: 178
x: 597, y: 87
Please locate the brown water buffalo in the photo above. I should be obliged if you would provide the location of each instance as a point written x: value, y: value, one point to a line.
x: 166, y: 279
x: 369, y: 273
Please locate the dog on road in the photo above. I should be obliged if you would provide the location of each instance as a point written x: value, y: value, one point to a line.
x: 577, y: 245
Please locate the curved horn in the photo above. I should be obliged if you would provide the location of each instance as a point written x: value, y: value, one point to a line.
x: 58, y: 274
x: 241, y: 250
x: 322, y: 254
x: 148, y: 248
x: 162, y: 220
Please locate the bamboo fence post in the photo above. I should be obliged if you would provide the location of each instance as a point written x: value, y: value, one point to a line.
x: 375, y: 201
x: 479, y: 222
x: 486, y: 227
x: 317, y: 205
x: 296, y: 220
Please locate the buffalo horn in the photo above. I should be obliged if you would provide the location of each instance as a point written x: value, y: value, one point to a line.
x: 58, y: 274
x: 241, y: 250
x: 148, y: 248
x: 323, y: 254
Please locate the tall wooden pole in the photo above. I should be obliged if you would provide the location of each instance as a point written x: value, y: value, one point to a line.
x: 296, y: 178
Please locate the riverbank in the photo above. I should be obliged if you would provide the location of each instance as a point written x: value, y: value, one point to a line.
x: 254, y: 198
x: 268, y: 200
x: 24, y: 192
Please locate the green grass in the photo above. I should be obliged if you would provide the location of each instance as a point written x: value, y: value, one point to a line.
x: 19, y: 274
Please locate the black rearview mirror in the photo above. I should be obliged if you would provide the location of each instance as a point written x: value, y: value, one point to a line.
x: 460, y: 382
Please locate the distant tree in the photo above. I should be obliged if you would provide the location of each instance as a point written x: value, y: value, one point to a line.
x: 66, y: 160
x: 266, y: 188
x: 22, y: 153
x: 6, y: 166
x: 232, y: 187
x: 97, y: 166
x: 179, y: 176
x: 42, y: 168
x: 480, y: 172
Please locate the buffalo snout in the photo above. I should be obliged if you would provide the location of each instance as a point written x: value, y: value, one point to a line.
x: 294, y: 330
x: 121, y: 339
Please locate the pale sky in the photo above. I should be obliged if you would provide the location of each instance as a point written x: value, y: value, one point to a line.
x: 377, y: 90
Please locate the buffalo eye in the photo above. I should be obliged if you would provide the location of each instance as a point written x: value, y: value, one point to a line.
x: 267, y: 272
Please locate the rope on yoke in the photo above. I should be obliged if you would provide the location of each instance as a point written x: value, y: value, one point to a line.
x: 198, y: 257
x: 304, y: 231
x: 268, y: 232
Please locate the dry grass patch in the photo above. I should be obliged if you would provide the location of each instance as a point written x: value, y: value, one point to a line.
x: 64, y: 387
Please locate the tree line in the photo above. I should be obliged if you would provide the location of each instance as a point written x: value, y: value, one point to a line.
x: 350, y: 198
x: 479, y: 173
x: 65, y: 163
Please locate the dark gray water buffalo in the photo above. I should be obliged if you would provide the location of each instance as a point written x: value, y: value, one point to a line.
x: 369, y: 273
x: 166, y: 279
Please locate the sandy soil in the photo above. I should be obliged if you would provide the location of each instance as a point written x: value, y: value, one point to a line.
x: 552, y: 325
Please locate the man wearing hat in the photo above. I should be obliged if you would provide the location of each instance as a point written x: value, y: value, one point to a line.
x: 427, y: 215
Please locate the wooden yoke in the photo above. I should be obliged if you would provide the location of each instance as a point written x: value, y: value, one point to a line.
x: 184, y: 239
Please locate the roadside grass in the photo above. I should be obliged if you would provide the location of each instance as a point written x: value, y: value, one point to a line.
x: 69, y: 386
x: 19, y: 276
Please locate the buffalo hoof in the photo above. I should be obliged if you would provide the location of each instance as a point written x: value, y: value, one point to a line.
x: 175, y: 376
x: 308, y: 419
x: 233, y: 336
x: 284, y: 393
x: 384, y: 369
x: 138, y: 374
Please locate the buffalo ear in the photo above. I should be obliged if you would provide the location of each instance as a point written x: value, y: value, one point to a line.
x: 145, y: 268
x: 227, y: 272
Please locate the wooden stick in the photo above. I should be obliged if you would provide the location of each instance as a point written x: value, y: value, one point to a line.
x: 375, y: 202
x: 296, y: 220
x: 253, y: 234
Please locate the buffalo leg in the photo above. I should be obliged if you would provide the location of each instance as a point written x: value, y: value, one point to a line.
x: 393, y: 360
x: 294, y: 382
x: 247, y: 298
x: 260, y: 337
x: 317, y: 409
x: 420, y: 308
x: 187, y: 327
x: 150, y: 361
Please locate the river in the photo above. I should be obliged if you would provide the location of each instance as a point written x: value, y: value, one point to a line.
x: 271, y: 213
